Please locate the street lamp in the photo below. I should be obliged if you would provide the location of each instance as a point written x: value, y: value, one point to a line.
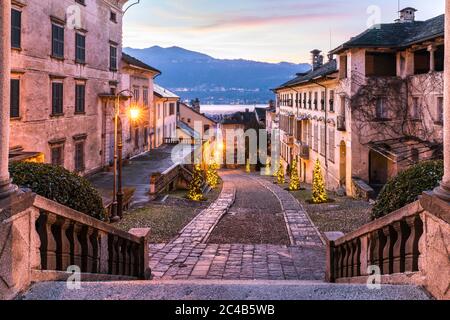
x: 117, y: 206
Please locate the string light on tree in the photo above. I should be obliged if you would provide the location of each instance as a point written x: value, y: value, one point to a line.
x: 247, y: 166
x: 195, y: 186
x: 212, y: 177
x: 268, y: 168
x: 280, y: 175
x: 319, y: 193
x: 294, y: 183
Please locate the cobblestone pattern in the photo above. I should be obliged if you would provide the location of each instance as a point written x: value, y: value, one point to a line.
x: 237, y: 262
x: 300, y: 227
x: 199, y: 229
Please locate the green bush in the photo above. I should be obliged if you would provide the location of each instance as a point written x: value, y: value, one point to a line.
x: 407, y: 187
x: 58, y: 184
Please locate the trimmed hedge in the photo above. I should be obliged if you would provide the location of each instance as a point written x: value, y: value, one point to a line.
x: 60, y: 185
x: 408, y: 186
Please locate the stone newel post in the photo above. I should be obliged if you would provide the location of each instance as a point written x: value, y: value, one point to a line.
x: 5, y: 72
x: 443, y: 191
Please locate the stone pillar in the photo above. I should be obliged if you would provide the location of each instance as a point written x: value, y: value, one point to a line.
x: 443, y: 191
x: 432, y: 50
x: 6, y: 188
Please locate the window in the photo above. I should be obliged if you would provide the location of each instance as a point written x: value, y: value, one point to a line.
x: 332, y: 101
x: 343, y: 106
x: 172, y: 109
x: 343, y: 67
x: 57, y: 155
x: 305, y: 101
x: 137, y: 94
x: 316, y: 137
x: 145, y: 136
x: 331, y: 145
x: 80, y: 48
x: 310, y: 101
x: 113, y: 58
x: 79, y: 156
x: 206, y: 128
x: 322, y: 101
x: 57, y: 98
x: 381, y: 64
x: 16, y: 28
x: 159, y: 111
x: 421, y: 61
x: 80, y: 97
x: 57, y: 41
x: 310, y: 135
x: 145, y: 96
x: 381, y: 110
x: 415, y: 156
x: 415, y: 108
x: 113, y: 17
x: 15, y: 98
x: 439, y: 55
x: 316, y: 97
x: 440, y: 110
x: 323, y: 142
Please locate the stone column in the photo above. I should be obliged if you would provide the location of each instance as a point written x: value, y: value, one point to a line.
x: 6, y: 188
x: 432, y: 50
x: 443, y: 191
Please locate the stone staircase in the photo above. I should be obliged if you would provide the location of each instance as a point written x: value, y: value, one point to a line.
x: 221, y: 290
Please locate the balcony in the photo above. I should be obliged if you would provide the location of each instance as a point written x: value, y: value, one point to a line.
x: 288, y: 139
x: 304, y: 152
x: 341, y: 123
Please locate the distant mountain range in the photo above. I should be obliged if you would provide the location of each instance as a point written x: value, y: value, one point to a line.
x: 216, y: 81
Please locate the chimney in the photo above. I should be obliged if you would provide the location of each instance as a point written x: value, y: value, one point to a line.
x: 407, y: 15
x: 317, y: 59
x: 330, y: 57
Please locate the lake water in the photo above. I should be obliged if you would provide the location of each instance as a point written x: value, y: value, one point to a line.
x: 224, y: 109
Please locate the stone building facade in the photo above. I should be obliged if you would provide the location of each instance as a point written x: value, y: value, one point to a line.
x: 165, y: 115
x: 58, y: 74
x: 386, y: 91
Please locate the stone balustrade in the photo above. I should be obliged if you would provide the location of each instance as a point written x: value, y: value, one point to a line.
x: 41, y: 239
x: 409, y: 246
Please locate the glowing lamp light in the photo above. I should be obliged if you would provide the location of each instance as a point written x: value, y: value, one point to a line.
x: 134, y: 113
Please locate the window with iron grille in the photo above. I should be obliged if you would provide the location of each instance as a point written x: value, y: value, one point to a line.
x: 16, y: 28
x: 80, y: 98
x: 57, y: 98
x: 79, y: 157
x: 57, y: 155
x: 80, y: 48
x: 15, y: 98
x: 57, y: 41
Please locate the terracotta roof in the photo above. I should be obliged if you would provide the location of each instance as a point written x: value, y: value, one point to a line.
x: 138, y: 63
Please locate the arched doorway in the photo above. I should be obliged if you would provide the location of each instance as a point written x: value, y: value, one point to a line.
x: 378, y: 169
x: 343, y: 163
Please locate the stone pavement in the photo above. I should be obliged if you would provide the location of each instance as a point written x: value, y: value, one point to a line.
x: 189, y: 257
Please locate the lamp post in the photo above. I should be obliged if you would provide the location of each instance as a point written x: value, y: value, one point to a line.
x: 117, y: 206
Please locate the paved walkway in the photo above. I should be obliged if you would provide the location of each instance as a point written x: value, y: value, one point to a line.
x: 190, y: 257
x: 137, y: 173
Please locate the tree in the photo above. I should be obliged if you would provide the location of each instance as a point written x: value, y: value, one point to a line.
x: 319, y: 193
x: 294, y: 183
x: 247, y: 166
x: 276, y: 168
x: 212, y: 177
x: 195, y: 192
x: 280, y: 175
x: 268, y: 167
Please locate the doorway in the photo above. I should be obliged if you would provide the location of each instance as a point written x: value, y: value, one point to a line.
x: 378, y: 169
x: 343, y: 164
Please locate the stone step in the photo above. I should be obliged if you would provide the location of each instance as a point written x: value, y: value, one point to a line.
x: 221, y: 290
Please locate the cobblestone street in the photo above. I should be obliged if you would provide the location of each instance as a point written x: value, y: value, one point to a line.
x: 192, y: 256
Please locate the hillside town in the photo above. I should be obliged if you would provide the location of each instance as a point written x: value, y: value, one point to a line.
x: 106, y: 174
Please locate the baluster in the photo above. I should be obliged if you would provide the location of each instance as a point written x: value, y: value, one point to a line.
x: 132, y: 259
x: 388, y: 250
x: 342, y: 260
x: 357, y: 258
x: 412, y: 253
x: 399, y: 247
x: 88, y: 250
x: 41, y: 228
x: 51, y: 242
x: 64, y: 244
x: 137, y: 263
x: 95, y: 240
x: 119, y: 261
x: 125, y: 257
x: 351, y: 258
x: 348, y: 260
x: 113, y: 254
x: 75, y: 246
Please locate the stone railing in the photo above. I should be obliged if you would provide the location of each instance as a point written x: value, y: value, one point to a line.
x: 41, y: 239
x: 405, y: 247
x: 160, y: 182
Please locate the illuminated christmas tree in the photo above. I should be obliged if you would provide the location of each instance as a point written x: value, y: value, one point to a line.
x: 276, y: 168
x: 247, y: 166
x: 294, y: 184
x: 319, y: 194
x: 280, y: 175
x: 195, y: 186
x: 212, y: 177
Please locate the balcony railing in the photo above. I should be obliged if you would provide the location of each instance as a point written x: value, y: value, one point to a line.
x: 304, y: 152
x: 341, y: 123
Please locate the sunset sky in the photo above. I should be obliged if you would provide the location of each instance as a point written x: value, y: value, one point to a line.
x: 263, y: 30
